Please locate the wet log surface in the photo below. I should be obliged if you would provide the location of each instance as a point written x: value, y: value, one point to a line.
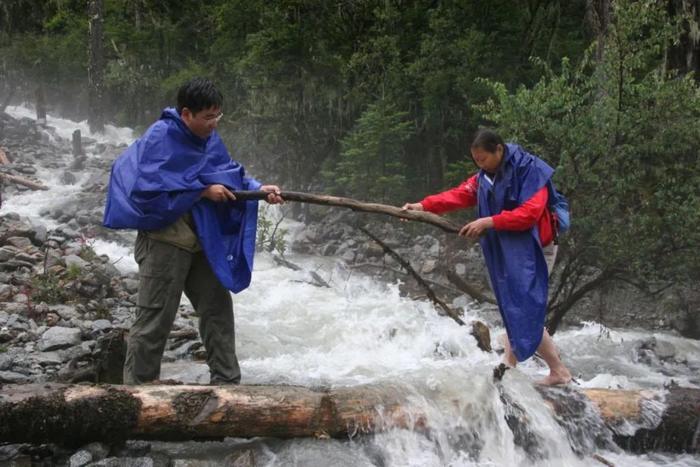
x: 643, y: 420
x: 74, y: 415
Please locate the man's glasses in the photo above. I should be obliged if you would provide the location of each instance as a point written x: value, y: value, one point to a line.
x: 215, y: 118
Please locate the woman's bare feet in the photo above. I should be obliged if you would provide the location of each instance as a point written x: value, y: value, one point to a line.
x: 556, y: 378
x: 558, y: 373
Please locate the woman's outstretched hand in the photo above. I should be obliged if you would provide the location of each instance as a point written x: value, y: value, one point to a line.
x: 476, y: 228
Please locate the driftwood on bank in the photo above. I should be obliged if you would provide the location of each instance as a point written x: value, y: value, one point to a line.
x: 23, y: 181
x: 77, y: 414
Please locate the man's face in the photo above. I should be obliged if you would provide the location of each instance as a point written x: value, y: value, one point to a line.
x: 203, y: 122
x: 488, y: 161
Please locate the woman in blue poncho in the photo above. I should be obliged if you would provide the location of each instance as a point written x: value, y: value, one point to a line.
x: 516, y: 233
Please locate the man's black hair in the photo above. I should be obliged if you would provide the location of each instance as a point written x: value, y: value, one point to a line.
x: 199, y: 94
x: 487, y: 140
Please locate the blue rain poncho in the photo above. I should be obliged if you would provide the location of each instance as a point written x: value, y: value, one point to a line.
x: 161, y: 176
x: 515, y: 261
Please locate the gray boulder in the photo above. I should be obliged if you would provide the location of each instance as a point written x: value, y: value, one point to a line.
x: 59, y: 337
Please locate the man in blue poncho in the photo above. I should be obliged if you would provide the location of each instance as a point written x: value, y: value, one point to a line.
x: 175, y: 185
x: 516, y: 232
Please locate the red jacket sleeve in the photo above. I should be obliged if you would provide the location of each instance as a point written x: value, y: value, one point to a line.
x: 524, y: 216
x: 463, y: 196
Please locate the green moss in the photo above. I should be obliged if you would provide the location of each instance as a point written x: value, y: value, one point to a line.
x: 51, y: 419
x: 48, y: 288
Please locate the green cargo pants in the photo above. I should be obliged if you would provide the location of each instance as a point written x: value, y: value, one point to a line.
x: 165, y: 272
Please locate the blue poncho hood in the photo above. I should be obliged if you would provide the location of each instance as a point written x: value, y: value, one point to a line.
x: 160, y: 177
x: 515, y: 261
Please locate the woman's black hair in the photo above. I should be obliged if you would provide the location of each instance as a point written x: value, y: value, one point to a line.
x: 199, y: 94
x: 488, y: 140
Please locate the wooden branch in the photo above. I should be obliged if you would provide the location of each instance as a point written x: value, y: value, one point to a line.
x: 23, y: 181
x: 469, y: 289
x: 405, y: 264
x: 355, y: 205
x: 480, y: 331
x: 75, y: 415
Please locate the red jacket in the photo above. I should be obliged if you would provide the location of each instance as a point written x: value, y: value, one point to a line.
x: 532, y: 212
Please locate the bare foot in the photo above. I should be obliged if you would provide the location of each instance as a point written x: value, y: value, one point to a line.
x: 554, y: 379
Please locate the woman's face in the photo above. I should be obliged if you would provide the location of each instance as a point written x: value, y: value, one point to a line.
x: 486, y: 160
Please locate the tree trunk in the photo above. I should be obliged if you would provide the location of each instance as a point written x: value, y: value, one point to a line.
x: 598, y: 19
x: 684, y: 56
x: 40, y: 106
x: 77, y: 143
x: 76, y: 414
x: 96, y: 67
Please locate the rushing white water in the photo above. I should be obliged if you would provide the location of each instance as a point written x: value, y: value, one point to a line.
x: 361, y: 331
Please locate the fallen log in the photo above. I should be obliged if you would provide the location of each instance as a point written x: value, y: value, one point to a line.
x: 74, y: 415
x: 23, y: 181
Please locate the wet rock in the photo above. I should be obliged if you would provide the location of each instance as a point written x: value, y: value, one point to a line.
x: 134, y: 448
x: 241, y: 459
x: 126, y: 462
x: 5, y: 292
x: 428, y: 266
x: 6, y: 335
x: 40, y: 233
x: 99, y: 451
x: 19, y: 242
x: 374, y: 251
x: 13, y: 377
x: 93, y: 452
x: 664, y: 350
x: 6, y: 359
x: 8, y: 252
x: 75, y: 261
x: 348, y: 256
x: 11, y: 454
x: 20, y: 298
x: 59, y: 337
x: 687, y: 323
x: 68, y: 178
x: 80, y: 458
x: 101, y: 325
x: 73, y: 353
x: 52, y: 319
x: 48, y: 358
x: 131, y: 285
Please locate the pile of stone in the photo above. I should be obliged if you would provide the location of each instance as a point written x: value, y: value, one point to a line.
x: 62, y: 306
